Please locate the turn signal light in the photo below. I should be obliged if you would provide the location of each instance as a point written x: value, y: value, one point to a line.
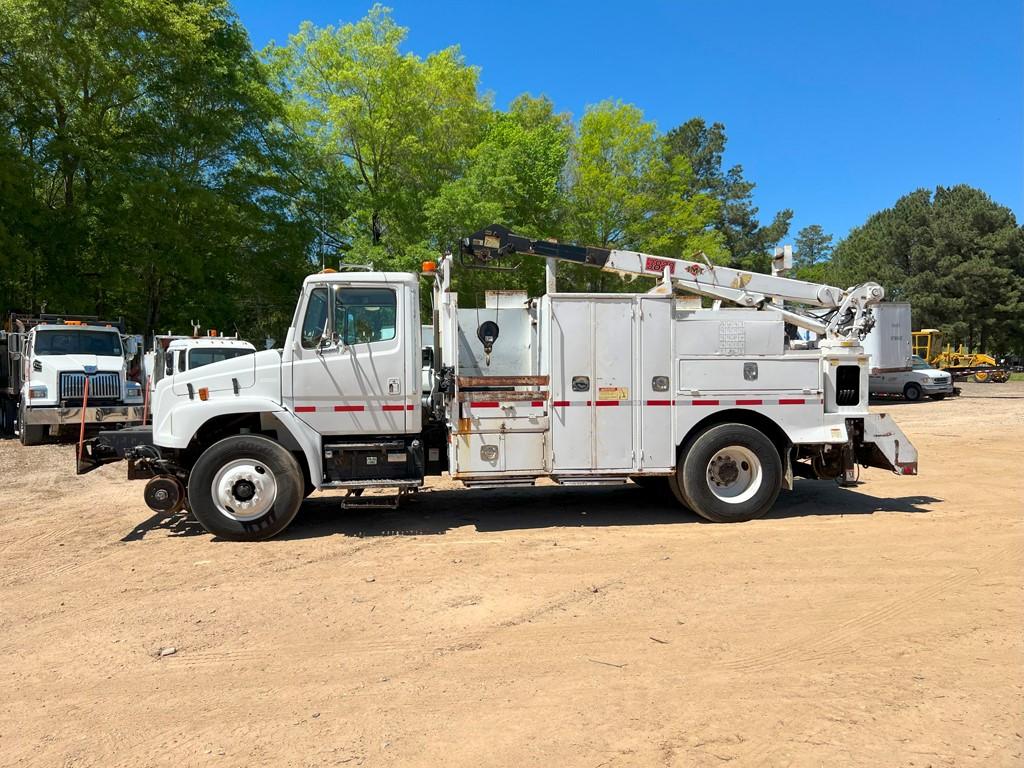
x: 204, y: 393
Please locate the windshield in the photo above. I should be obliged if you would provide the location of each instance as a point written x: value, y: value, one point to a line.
x: 197, y: 358
x: 918, y: 362
x: 76, y: 342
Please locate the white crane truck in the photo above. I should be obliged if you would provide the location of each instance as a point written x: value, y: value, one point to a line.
x: 582, y: 388
x: 45, y: 361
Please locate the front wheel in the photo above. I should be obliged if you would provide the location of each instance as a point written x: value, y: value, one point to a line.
x: 912, y: 392
x: 30, y: 434
x: 245, y: 488
x: 731, y: 473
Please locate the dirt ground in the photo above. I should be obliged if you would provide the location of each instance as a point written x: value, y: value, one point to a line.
x: 532, y: 627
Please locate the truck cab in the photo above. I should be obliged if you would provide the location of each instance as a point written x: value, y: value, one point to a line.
x: 51, y: 359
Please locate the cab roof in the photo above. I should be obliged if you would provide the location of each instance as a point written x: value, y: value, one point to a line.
x: 405, y: 278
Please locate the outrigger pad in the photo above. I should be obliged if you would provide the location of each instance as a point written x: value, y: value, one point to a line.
x: 113, y: 445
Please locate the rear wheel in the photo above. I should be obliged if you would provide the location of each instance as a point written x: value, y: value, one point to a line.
x: 912, y: 392
x: 731, y: 473
x: 245, y: 488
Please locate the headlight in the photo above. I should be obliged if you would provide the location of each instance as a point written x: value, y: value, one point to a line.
x: 37, y: 392
x: 134, y: 389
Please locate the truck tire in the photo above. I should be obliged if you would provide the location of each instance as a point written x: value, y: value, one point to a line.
x: 7, y: 416
x: 731, y: 473
x: 912, y: 392
x: 245, y: 488
x: 30, y: 434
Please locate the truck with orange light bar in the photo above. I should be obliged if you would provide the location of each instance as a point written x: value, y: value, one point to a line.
x: 698, y: 383
x: 65, y: 372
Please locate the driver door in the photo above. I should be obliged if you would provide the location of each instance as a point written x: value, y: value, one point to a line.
x: 348, y: 361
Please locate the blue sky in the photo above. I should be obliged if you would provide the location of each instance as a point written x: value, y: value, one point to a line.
x: 833, y: 109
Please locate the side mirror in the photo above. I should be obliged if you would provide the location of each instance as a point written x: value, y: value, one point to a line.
x: 132, y: 345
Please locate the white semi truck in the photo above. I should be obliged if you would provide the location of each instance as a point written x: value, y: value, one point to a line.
x: 45, y: 361
x: 579, y: 388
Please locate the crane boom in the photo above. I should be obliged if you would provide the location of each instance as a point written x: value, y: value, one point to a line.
x: 850, y: 317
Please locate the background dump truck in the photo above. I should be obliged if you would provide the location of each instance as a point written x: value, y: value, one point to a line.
x: 45, y: 361
x: 580, y: 388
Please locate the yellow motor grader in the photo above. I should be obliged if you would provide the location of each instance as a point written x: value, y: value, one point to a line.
x: 959, y: 363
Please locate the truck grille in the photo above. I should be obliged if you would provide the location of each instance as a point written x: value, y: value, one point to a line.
x: 102, y: 386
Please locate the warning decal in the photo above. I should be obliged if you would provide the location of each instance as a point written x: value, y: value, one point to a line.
x: 613, y: 393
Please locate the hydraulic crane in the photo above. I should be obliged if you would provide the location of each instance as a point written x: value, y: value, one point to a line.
x: 848, y: 317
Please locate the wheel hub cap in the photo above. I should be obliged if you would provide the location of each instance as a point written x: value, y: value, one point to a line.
x: 244, y: 489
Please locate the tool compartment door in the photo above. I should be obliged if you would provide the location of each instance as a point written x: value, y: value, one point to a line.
x: 592, y: 357
x: 655, y: 389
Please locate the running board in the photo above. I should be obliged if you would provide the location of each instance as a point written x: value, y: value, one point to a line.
x: 590, y: 480
x: 497, y: 482
x: 372, y: 484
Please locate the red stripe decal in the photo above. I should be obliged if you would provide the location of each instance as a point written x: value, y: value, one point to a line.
x: 485, y: 404
x: 559, y: 403
x: 750, y: 402
x: 537, y: 403
x: 791, y: 402
x: 606, y: 402
x: 305, y: 408
x: 410, y: 407
x: 704, y: 402
x: 659, y: 402
x: 394, y: 407
x: 348, y: 408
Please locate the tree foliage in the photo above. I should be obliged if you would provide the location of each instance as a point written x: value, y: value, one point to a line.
x: 139, y: 130
x: 955, y: 255
x: 746, y: 240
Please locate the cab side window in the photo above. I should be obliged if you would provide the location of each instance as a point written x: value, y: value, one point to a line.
x: 314, y: 324
x: 365, y: 315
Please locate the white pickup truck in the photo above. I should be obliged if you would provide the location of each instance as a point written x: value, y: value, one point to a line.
x: 920, y: 381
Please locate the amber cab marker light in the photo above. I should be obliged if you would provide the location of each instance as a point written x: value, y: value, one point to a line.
x: 429, y: 267
x: 204, y: 393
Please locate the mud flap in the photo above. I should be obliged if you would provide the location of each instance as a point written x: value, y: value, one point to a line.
x: 881, y: 443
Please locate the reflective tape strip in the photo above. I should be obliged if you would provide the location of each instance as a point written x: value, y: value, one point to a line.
x: 353, y: 408
x: 699, y: 403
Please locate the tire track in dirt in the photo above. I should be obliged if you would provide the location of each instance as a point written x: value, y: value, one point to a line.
x: 819, y: 646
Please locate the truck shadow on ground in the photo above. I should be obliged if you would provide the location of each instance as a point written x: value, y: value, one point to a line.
x: 435, y: 512
x: 494, y: 510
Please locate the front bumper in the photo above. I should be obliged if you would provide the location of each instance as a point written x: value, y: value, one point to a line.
x: 938, y: 388
x: 56, y: 415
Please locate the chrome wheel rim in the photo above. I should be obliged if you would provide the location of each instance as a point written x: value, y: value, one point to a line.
x: 244, y: 489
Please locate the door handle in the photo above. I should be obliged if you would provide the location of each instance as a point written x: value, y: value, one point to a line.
x: 394, y: 386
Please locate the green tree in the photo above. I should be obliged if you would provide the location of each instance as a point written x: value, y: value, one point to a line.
x: 400, y: 126
x: 163, y: 190
x: 746, y: 240
x: 955, y: 255
x: 811, y: 253
x: 625, y: 192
